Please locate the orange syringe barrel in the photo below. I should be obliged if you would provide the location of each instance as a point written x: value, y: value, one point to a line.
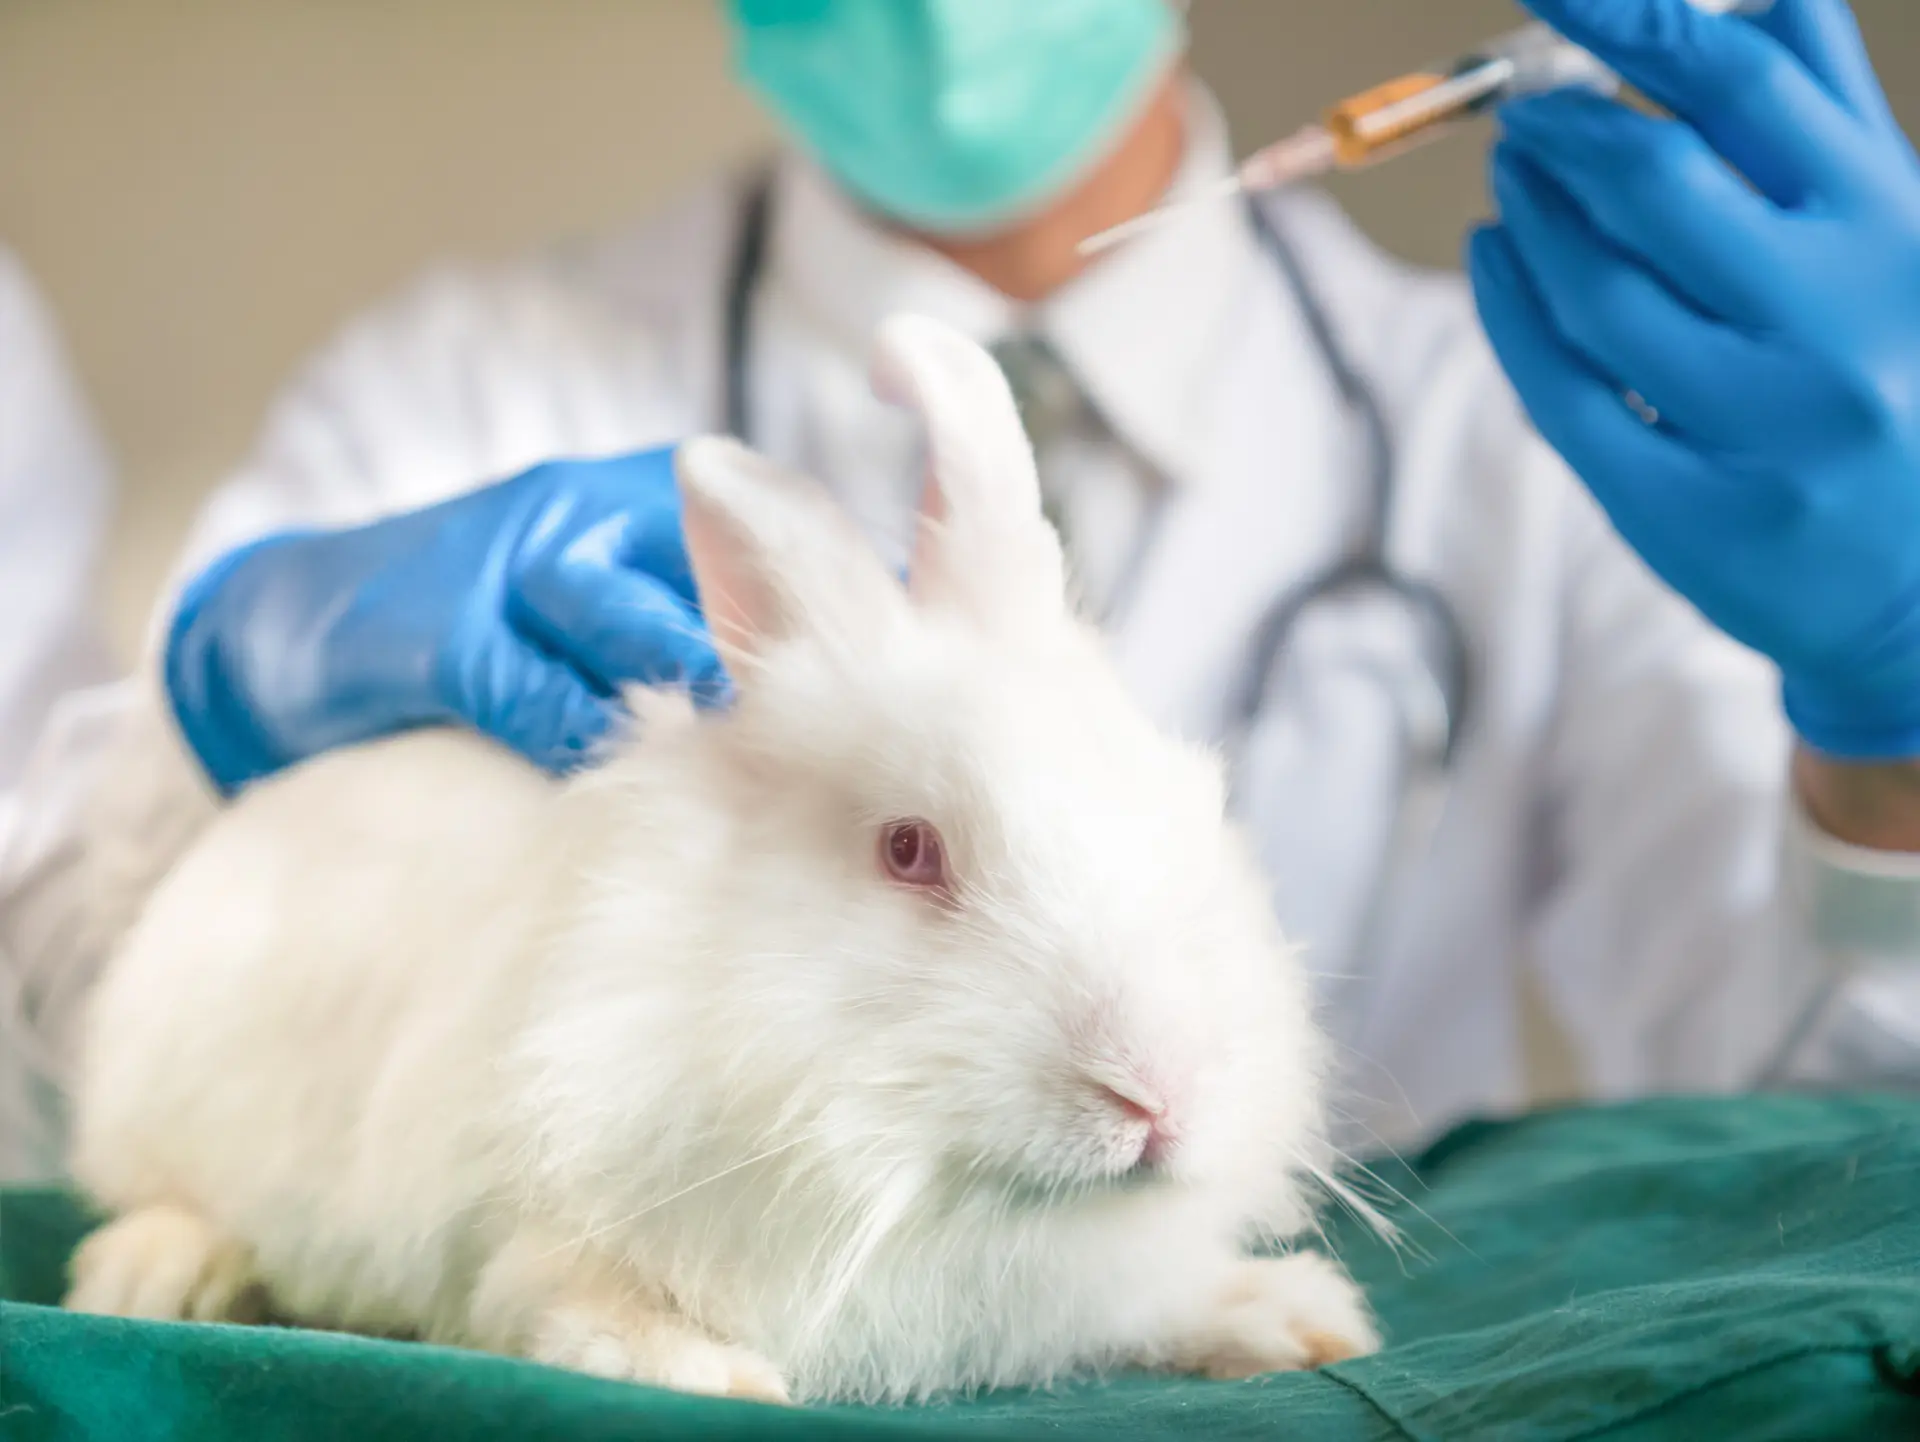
x: 1364, y: 125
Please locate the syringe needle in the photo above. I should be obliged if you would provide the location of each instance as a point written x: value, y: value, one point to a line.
x: 1309, y: 152
x: 1223, y: 189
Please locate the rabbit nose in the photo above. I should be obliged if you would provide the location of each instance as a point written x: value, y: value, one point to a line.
x: 1142, y: 1107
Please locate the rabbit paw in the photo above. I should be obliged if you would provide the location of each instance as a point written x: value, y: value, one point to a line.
x: 637, y: 1343
x: 165, y: 1263
x: 1278, y: 1314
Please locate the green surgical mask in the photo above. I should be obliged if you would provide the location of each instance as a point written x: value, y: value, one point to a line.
x: 955, y: 116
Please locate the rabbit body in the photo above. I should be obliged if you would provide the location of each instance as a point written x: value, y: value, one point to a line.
x: 700, y: 1068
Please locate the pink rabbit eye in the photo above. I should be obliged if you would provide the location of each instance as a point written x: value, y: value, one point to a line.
x: 911, y: 853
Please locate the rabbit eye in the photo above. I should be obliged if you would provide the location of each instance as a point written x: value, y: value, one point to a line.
x: 911, y: 853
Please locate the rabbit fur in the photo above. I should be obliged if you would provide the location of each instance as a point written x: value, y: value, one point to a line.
x: 656, y: 1073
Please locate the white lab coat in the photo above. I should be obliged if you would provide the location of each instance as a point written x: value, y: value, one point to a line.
x: 1618, y: 855
x: 55, y: 490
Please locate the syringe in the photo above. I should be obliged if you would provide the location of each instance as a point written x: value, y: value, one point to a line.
x: 1406, y: 113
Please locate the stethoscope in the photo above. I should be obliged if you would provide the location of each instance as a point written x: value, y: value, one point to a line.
x: 1431, y: 688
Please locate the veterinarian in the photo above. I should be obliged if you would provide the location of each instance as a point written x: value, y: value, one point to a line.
x: 1571, y: 683
x: 55, y: 492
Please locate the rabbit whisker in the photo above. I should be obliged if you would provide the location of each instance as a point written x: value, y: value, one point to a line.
x: 655, y: 1205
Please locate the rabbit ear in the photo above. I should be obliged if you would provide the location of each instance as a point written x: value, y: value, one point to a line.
x: 983, y: 547
x: 772, y: 555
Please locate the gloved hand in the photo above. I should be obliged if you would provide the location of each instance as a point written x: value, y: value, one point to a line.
x: 516, y: 610
x: 1767, y: 461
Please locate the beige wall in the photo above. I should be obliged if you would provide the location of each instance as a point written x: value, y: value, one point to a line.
x: 206, y: 187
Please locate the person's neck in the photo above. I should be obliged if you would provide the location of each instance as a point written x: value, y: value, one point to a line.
x: 1040, y: 255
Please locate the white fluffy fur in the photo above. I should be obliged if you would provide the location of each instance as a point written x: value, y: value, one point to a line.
x: 653, y: 1073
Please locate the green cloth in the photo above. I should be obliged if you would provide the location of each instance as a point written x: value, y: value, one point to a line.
x: 1670, y: 1269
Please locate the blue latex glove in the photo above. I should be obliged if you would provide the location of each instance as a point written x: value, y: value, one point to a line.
x: 515, y: 610
x: 1773, y: 328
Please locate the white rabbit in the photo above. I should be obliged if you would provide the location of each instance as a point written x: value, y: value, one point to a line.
x: 917, y: 1023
